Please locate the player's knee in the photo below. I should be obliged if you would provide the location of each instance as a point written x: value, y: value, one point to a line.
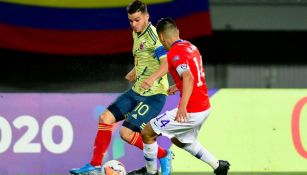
x: 147, y: 134
x: 107, y: 117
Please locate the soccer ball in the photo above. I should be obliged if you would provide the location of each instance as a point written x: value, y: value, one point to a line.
x: 113, y: 167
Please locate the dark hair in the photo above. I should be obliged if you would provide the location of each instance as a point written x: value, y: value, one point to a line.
x: 165, y: 23
x: 136, y: 6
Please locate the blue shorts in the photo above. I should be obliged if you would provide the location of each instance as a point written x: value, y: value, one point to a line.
x: 136, y: 110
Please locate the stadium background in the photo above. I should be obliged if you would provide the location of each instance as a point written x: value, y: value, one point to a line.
x: 63, y: 62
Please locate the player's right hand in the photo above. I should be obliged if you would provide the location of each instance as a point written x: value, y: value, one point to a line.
x: 172, y: 90
x: 181, y: 115
x: 131, y: 76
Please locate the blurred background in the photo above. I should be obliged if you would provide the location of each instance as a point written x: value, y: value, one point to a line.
x: 244, y: 43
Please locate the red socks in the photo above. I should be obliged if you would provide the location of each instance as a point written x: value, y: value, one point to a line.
x: 102, y: 142
x: 138, y: 142
x: 103, y: 139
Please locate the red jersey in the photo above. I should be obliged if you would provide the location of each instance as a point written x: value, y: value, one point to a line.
x: 184, y: 56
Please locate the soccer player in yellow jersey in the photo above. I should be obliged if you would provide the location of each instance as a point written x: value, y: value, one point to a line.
x: 143, y: 101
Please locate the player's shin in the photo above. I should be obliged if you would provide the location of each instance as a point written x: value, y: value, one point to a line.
x: 102, y: 142
x: 150, y: 154
x: 197, y: 150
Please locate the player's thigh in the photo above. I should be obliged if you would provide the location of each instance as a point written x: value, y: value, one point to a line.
x: 145, y: 110
x: 196, y: 120
x: 165, y: 123
x: 122, y: 105
x: 185, y: 132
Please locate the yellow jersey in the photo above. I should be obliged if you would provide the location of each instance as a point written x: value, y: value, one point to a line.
x: 147, y: 52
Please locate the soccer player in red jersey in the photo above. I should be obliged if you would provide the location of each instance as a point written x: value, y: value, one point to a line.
x: 183, y: 123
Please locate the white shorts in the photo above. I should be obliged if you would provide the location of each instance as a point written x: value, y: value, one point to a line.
x: 185, y: 132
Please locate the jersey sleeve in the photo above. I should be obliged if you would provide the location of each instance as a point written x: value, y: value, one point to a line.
x: 180, y: 62
x: 160, y: 51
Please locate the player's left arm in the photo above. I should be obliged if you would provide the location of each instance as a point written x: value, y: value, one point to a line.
x: 187, y: 88
x: 160, y: 53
